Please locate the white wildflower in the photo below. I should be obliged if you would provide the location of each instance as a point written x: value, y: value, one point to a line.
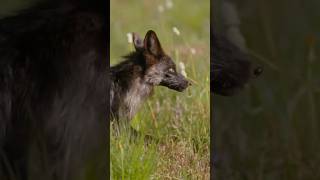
x: 183, y: 69
x: 169, y: 4
x: 193, y: 51
x: 130, y: 37
x: 160, y: 8
x: 176, y: 31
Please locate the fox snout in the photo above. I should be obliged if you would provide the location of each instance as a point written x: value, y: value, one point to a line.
x: 175, y: 81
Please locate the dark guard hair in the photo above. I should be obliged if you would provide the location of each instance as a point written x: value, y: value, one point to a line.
x: 230, y: 68
x: 53, y: 92
x: 133, y: 80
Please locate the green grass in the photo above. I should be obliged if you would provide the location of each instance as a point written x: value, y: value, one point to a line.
x: 179, y: 122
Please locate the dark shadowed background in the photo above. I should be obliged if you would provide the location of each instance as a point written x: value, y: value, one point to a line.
x: 271, y: 129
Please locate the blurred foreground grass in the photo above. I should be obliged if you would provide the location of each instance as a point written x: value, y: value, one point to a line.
x: 179, y: 121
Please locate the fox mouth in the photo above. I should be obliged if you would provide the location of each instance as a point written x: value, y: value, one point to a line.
x: 177, y: 86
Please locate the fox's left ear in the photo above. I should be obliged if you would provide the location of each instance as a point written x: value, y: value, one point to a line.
x: 152, y: 43
x: 137, y: 42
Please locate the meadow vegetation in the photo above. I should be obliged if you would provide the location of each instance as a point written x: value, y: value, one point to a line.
x: 179, y: 123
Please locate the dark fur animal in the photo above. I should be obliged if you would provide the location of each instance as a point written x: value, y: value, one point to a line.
x: 231, y: 68
x: 53, y: 84
x: 133, y: 80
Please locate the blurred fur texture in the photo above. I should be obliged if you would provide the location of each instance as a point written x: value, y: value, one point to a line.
x: 53, y: 84
x: 231, y: 68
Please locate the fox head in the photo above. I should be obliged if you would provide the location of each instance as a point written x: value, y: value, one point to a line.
x: 231, y: 68
x: 159, y: 67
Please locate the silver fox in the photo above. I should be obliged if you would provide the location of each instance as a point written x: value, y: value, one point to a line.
x: 133, y: 80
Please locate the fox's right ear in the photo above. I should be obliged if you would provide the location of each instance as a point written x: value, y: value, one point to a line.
x: 137, y: 42
x: 152, y: 43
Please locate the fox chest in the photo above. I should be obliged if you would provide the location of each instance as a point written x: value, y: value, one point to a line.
x: 134, y: 98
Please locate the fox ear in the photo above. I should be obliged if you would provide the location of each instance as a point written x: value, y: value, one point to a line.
x: 137, y: 42
x: 152, y: 43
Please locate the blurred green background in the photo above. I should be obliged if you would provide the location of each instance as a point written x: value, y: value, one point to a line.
x: 271, y: 129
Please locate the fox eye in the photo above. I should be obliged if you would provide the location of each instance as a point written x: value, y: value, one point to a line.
x: 171, y: 70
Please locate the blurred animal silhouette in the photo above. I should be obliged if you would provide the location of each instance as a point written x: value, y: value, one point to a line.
x: 53, y: 83
x: 230, y: 68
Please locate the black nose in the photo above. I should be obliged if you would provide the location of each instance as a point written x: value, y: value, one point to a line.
x: 258, y: 71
